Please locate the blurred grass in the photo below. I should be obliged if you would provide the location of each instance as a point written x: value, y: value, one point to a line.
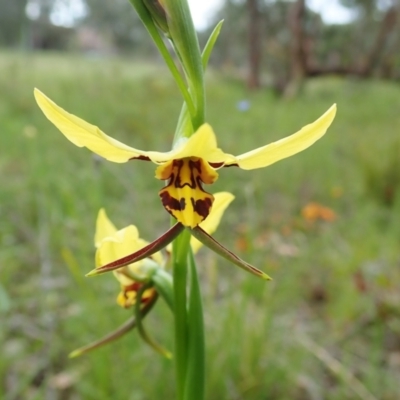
x: 327, y: 327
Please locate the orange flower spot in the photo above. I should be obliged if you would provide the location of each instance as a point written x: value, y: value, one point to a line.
x: 314, y: 211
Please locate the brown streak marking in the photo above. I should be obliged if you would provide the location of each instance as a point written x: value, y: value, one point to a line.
x: 217, y: 165
x: 192, y: 166
x: 231, y: 165
x: 142, y: 158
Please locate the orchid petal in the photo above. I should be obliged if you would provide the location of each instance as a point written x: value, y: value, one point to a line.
x: 210, y: 224
x: 202, y: 144
x: 83, y: 134
x: 104, y: 228
x: 273, y: 152
x: 123, y: 243
x: 210, y: 242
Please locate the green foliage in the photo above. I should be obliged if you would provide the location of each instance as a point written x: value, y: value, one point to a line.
x: 327, y: 323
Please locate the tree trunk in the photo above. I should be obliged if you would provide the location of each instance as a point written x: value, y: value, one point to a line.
x: 254, y: 43
x: 298, y: 53
x: 373, y: 58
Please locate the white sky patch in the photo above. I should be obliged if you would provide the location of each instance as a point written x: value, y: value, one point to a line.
x: 332, y: 12
x: 65, y: 13
x: 202, y: 10
x: 32, y: 10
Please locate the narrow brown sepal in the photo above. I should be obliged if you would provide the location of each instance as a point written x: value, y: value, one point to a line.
x: 114, y: 335
x: 201, y: 235
x: 144, y: 252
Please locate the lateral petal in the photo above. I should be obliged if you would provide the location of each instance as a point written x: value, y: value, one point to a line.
x: 273, y: 152
x: 83, y: 134
x: 202, y: 143
x: 123, y: 243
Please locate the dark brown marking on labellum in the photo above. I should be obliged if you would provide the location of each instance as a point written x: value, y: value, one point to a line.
x: 193, y: 165
x: 170, y: 203
x: 202, y: 207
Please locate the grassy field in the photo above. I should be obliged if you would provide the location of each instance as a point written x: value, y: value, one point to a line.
x: 328, y: 325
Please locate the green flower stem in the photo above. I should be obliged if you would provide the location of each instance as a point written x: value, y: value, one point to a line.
x: 186, y: 44
x: 139, y: 323
x: 181, y: 247
x: 155, y: 35
x: 163, y: 282
x: 195, y: 376
x: 184, y: 122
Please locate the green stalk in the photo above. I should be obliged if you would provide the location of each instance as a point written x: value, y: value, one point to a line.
x: 155, y: 35
x: 186, y: 45
x: 179, y: 263
x: 184, y: 126
x: 195, y: 376
x: 189, y: 325
x: 163, y: 282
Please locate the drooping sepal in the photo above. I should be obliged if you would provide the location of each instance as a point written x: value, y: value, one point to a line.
x: 143, y: 253
x: 114, y: 335
x: 211, y: 243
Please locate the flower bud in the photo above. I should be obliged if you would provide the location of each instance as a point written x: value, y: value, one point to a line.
x: 158, y: 12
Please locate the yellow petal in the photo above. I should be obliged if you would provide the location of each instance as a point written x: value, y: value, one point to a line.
x: 83, y: 134
x: 271, y: 153
x: 201, y: 144
x: 121, y: 244
x: 104, y: 228
x: 210, y: 224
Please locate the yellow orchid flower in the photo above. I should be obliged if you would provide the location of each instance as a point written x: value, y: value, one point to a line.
x: 113, y: 244
x: 192, y: 162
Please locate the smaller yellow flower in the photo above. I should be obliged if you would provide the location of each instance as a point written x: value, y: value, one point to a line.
x: 113, y: 244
